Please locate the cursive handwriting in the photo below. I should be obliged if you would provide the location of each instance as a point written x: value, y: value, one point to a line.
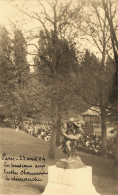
x: 23, y: 168
x: 22, y: 158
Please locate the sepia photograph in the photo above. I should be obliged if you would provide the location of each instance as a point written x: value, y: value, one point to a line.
x: 58, y: 97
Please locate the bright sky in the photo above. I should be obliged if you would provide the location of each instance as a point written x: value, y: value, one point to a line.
x: 5, y: 11
x: 8, y: 11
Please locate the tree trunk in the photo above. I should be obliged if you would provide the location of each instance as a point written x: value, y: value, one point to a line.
x: 116, y: 146
x: 104, y: 131
x: 58, y: 134
x: 51, y: 152
x: 116, y: 151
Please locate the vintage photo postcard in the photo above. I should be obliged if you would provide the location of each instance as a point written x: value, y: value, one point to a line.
x: 58, y: 97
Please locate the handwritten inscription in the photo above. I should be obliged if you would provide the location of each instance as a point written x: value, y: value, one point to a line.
x: 23, y: 168
x: 22, y: 157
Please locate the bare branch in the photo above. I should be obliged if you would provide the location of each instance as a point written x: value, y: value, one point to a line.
x: 63, y: 11
x: 100, y: 106
x: 46, y: 15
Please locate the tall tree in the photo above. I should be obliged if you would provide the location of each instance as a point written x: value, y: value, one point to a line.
x: 110, y: 9
x: 54, y: 25
x: 65, y: 70
x: 20, y: 57
x: 7, y: 84
x: 22, y: 71
x: 96, y: 31
x: 93, y: 77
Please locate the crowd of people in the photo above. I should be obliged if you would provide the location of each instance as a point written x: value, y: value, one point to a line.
x: 41, y: 131
x: 90, y: 143
x: 93, y: 144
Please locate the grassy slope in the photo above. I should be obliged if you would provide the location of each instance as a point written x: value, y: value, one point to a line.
x: 19, y: 143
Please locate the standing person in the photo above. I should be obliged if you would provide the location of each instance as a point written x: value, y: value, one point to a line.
x: 17, y: 128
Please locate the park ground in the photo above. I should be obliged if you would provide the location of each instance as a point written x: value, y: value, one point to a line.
x: 104, y: 172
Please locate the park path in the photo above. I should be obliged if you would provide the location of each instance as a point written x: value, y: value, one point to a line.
x: 105, y: 177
